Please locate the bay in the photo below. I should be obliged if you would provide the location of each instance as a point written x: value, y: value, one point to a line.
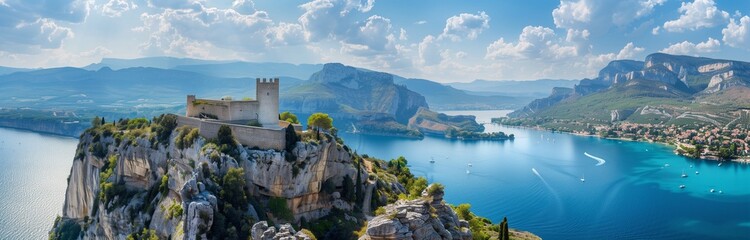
x: 534, y: 180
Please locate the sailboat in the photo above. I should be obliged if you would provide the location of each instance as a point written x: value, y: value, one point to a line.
x: 432, y: 160
x: 467, y: 171
x: 682, y: 186
x: 583, y: 178
x: 683, y: 174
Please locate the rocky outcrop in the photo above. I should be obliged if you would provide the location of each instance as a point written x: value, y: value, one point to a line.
x: 261, y: 231
x: 149, y: 180
x: 425, y: 218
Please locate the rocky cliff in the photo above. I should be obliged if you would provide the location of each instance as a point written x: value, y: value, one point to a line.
x: 123, y: 181
x: 667, y: 81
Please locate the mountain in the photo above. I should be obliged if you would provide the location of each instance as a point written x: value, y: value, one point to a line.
x: 9, y: 70
x: 153, y: 62
x: 247, y: 69
x: 662, y: 89
x: 347, y: 91
x: 445, y: 97
x: 531, y: 88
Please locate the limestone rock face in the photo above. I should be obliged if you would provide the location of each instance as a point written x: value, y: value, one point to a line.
x: 261, y: 231
x: 418, y: 219
x: 272, y: 173
x: 143, y: 168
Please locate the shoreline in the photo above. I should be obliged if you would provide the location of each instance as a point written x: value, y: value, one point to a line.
x: 38, y: 132
x: 674, y: 147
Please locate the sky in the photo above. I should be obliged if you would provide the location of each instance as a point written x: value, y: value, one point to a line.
x: 445, y: 41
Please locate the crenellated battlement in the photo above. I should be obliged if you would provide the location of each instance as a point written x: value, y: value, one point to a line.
x: 274, y: 81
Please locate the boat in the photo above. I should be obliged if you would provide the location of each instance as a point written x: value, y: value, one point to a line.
x: 721, y: 192
x: 691, y: 166
x: 696, y: 173
x: 470, y: 165
x: 719, y: 164
x: 712, y: 190
x: 683, y: 174
x: 467, y: 171
x: 666, y: 164
x: 682, y: 186
x: 583, y: 179
x: 432, y: 160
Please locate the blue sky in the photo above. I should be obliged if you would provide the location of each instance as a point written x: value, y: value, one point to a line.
x: 447, y: 41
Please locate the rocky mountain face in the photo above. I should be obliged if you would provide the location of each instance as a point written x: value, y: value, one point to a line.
x: 425, y: 218
x: 119, y: 185
x: 659, y: 76
x: 346, y: 91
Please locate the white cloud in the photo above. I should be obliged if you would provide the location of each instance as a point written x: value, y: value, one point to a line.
x: 600, y: 15
x: 571, y: 13
x: 331, y: 18
x: 655, y: 31
x: 689, y: 48
x: 537, y: 42
x: 286, y: 34
x: 696, y: 15
x: 115, y: 8
x: 192, y: 32
x: 402, y: 35
x: 28, y: 26
x: 465, y: 25
x: 629, y: 51
x: 429, y: 51
x: 420, y: 22
x: 737, y: 33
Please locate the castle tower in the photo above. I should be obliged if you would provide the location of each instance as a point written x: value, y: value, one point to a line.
x: 267, y: 94
x: 190, y: 111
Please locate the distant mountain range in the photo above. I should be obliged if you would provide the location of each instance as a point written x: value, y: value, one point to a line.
x: 530, y: 88
x: 664, y: 88
x: 144, y: 87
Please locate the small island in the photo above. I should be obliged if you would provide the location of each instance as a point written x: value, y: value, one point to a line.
x: 461, y: 127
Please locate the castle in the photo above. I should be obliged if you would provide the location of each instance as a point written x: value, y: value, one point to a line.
x: 254, y: 123
x: 264, y: 110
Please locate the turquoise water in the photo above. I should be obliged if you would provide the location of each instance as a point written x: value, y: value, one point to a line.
x: 631, y: 196
x: 33, y: 175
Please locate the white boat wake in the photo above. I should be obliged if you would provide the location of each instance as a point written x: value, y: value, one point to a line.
x: 535, y: 172
x: 598, y: 159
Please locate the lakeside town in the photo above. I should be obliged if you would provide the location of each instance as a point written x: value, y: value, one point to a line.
x: 699, y: 142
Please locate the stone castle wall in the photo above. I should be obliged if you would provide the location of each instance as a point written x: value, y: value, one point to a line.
x: 262, y: 138
x: 223, y: 110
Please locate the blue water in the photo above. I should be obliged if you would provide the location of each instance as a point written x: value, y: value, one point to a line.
x: 631, y: 196
x: 33, y: 175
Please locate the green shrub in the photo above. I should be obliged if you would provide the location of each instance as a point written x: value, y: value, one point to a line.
x: 164, y: 185
x: 174, y: 210
x: 279, y: 209
x: 435, y: 189
x: 289, y: 117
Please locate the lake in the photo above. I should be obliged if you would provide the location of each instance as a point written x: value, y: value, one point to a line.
x: 33, y: 178
x: 534, y: 180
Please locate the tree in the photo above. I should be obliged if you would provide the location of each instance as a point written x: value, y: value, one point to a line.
x: 320, y: 121
x: 348, y: 192
x: 96, y: 121
x: 233, y: 191
x: 463, y: 212
x: 504, y: 234
x: 291, y: 138
x: 289, y: 117
x: 225, y: 136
